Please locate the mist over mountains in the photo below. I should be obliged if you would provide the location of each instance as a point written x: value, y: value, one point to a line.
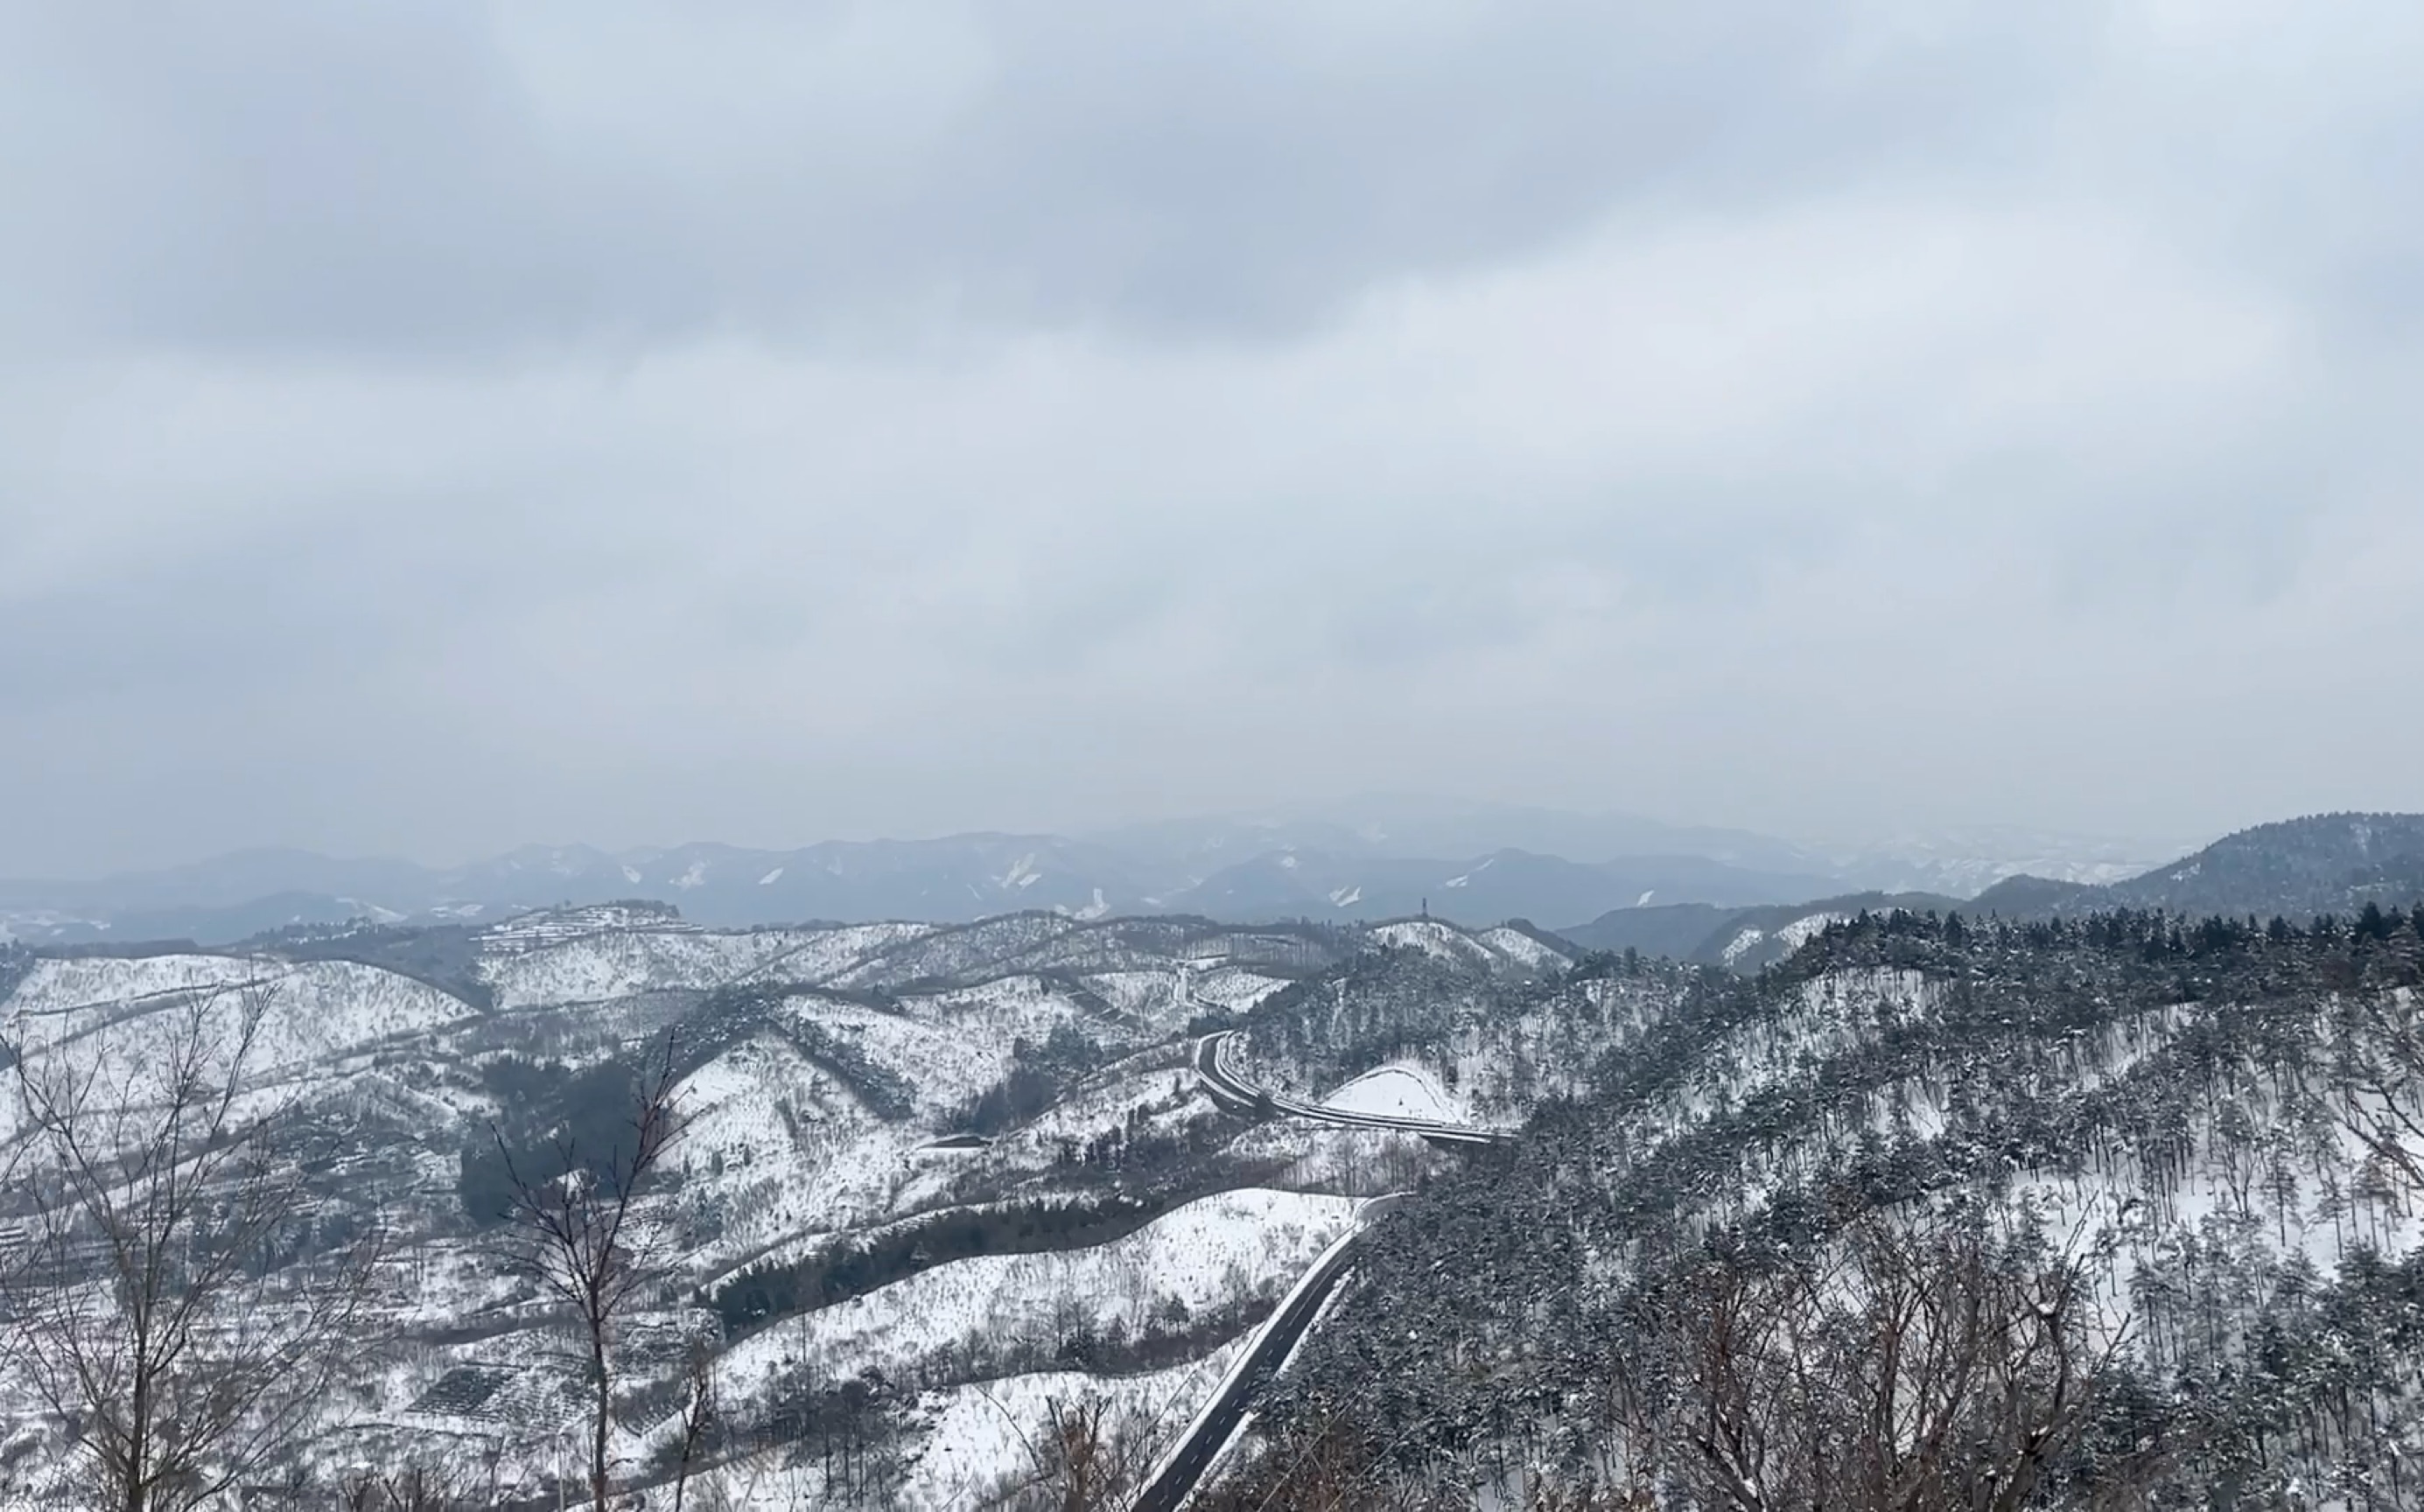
x: 1608, y: 881
x: 937, y: 1185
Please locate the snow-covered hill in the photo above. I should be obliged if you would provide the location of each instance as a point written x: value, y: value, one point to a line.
x: 927, y: 1169
x: 2213, y: 1127
x: 922, y: 1166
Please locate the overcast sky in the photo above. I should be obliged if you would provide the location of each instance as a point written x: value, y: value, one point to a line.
x: 427, y: 427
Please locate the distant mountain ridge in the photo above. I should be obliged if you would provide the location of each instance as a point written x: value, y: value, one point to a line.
x: 2294, y: 868
x: 1374, y: 859
x: 1503, y: 884
x: 2322, y: 864
x: 948, y: 881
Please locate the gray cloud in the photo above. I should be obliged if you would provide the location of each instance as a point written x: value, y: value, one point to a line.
x: 456, y: 178
x: 429, y: 427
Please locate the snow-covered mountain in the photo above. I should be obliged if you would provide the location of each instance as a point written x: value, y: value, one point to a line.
x: 941, y: 1184
x: 1372, y: 859
x: 1964, y: 862
x: 930, y: 1173
x: 2298, y: 869
x: 1501, y: 884
x: 2127, y: 1207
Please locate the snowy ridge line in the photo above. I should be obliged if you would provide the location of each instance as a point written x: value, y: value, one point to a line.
x: 54, y: 987
x: 1175, y: 1479
x: 1225, y: 1086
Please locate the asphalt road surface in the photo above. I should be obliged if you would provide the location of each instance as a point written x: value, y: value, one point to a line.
x: 1177, y: 1480
x: 1232, y: 1090
x: 1169, y: 1490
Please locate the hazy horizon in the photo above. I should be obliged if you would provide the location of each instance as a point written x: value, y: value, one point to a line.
x: 425, y: 430
x: 1338, y: 812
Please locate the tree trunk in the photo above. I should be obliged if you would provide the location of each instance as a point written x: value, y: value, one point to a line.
x: 605, y: 1407
x: 136, y: 1449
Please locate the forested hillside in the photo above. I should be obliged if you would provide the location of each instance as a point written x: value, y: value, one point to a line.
x: 2297, y: 868
x: 921, y: 1191
x: 2118, y: 1210
x: 1930, y: 1211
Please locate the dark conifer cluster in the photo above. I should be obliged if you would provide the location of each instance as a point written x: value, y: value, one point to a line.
x: 2213, y: 1125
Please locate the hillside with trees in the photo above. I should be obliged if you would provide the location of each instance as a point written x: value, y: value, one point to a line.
x: 2110, y: 1212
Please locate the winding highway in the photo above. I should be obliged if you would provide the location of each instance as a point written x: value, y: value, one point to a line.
x: 1221, y: 1079
x: 1210, y: 1433
x: 1178, y: 1475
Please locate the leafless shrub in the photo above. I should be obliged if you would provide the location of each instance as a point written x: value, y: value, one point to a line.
x: 151, y: 1309
x: 698, y: 1416
x: 1094, y: 1454
x: 1925, y: 1364
x: 2382, y: 1083
x: 414, y: 1488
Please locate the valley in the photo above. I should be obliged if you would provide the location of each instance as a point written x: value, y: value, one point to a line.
x: 1042, y: 1210
x: 925, y: 1174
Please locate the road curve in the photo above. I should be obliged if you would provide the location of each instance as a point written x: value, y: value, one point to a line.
x: 1177, y: 1478
x: 1231, y: 1090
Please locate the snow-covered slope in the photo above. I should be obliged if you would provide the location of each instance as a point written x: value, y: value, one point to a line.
x: 931, y: 1159
x: 1212, y: 1252
x: 1397, y: 1092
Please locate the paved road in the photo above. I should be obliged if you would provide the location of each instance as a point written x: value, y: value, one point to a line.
x: 1221, y: 1079
x: 1170, y: 1490
x: 1178, y: 1477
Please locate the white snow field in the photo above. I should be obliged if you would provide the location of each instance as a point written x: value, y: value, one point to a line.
x: 1397, y: 1092
x: 980, y: 1432
x: 1434, y: 937
x: 108, y: 981
x: 593, y: 968
x: 1210, y: 1253
x: 807, y: 1109
x: 1523, y: 949
x: 978, y: 1436
x: 780, y: 1148
x: 313, y: 1014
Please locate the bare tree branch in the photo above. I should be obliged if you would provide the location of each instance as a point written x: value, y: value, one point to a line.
x: 583, y: 1242
x: 149, y: 1312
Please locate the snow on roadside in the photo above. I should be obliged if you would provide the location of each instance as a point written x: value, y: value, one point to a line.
x: 1397, y: 1092
x: 976, y: 1437
x: 979, y: 1434
x: 1212, y: 1252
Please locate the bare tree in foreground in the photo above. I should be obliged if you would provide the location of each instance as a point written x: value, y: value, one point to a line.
x: 415, y: 1489
x: 1923, y: 1367
x: 149, y: 1311
x: 2381, y: 1086
x: 697, y: 1421
x: 583, y: 1243
x: 1092, y: 1458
